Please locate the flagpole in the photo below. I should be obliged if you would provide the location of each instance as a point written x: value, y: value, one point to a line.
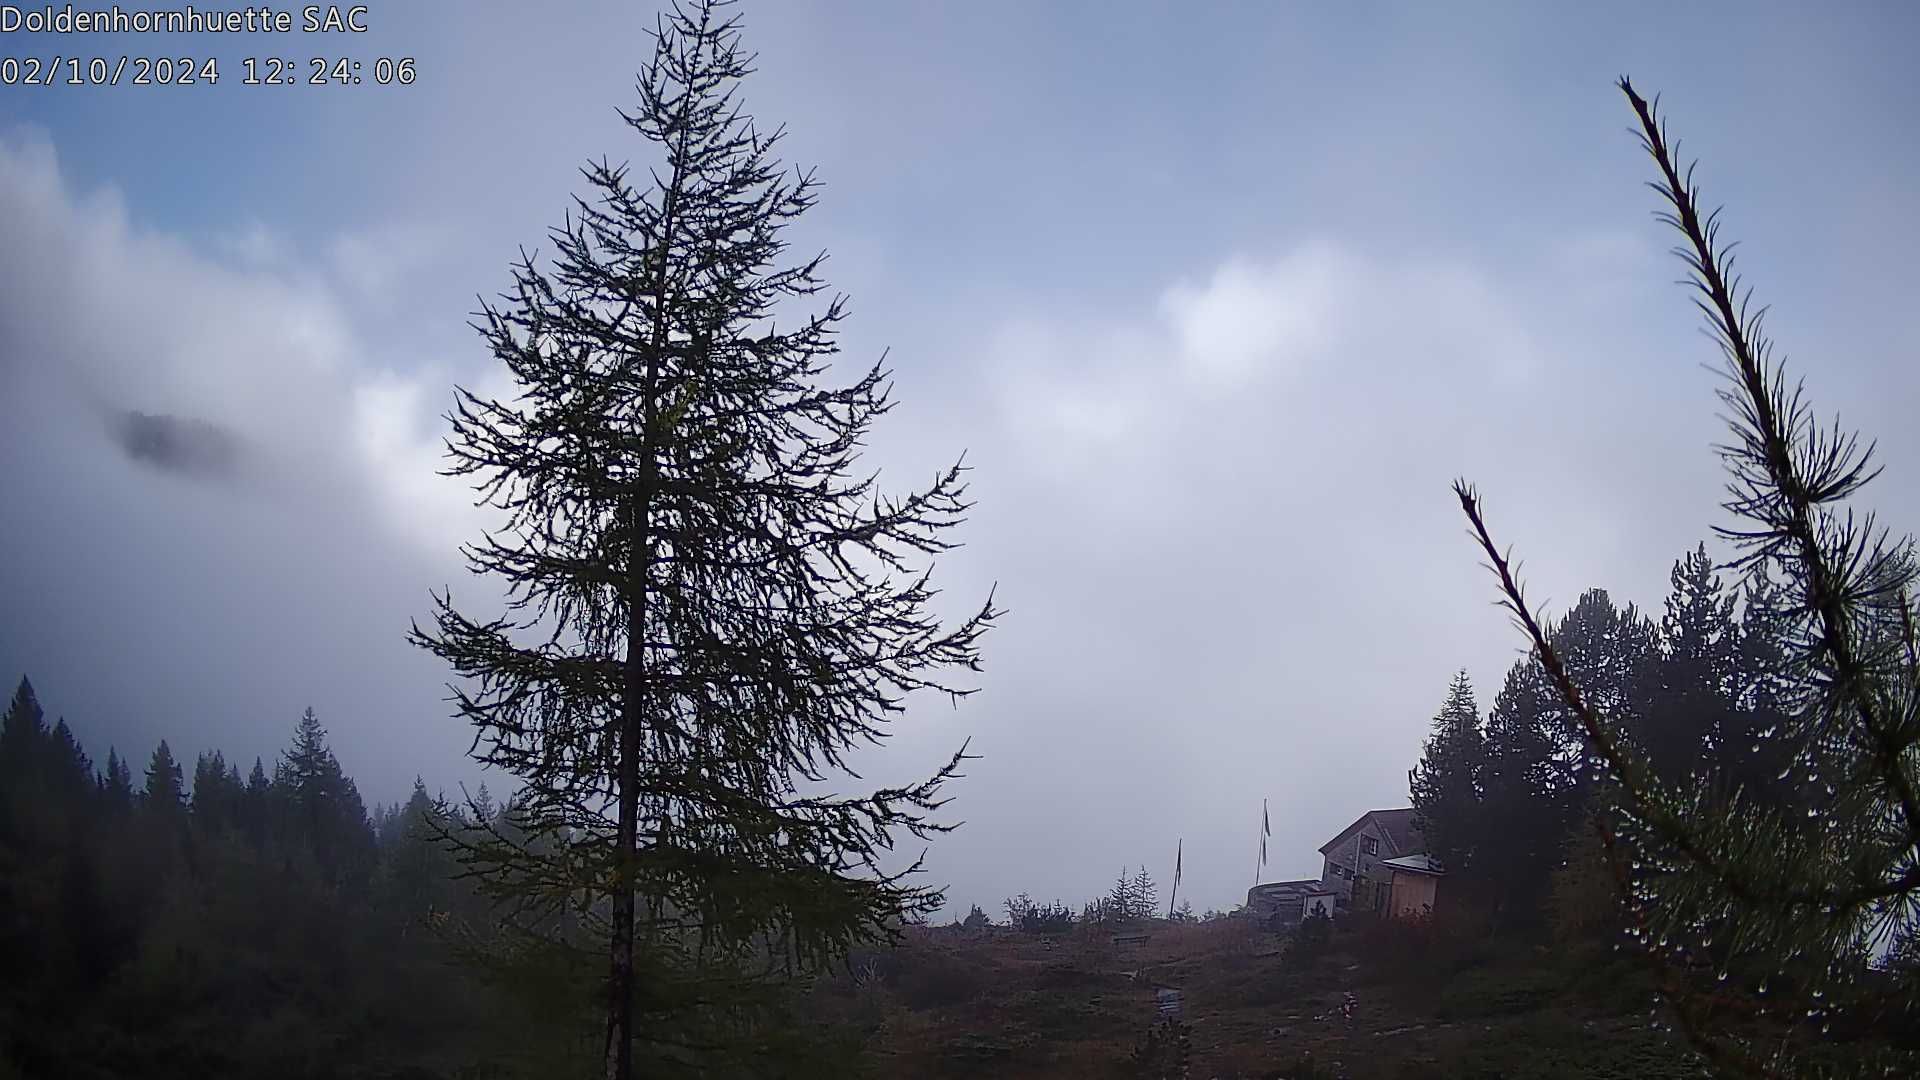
x: 1266, y: 830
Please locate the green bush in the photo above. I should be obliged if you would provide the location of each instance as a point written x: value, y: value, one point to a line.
x: 1310, y: 940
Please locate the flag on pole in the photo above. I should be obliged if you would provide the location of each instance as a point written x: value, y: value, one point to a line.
x: 1178, y: 850
x: 1266, y: 830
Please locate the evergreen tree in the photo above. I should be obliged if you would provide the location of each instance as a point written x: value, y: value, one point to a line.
x: 258, y: 786
x: 709, y: 605
x: 1144, y: 895
x: 72, y: 770
x: 1749, y: 755
x: 117, y: 784
x: 23, y: 782
x: 1120, y: 903
x: 1536, y: 776
x: 216, y: 792
x: 1614, y: 650
x: 309, y: 762
x: 1714, y: 877
x: 1690, y: 706
x: 1446, y: 784
x: 22, y: 732
x: 418, y: 870
x: 256, y: 803
x: 1018, y: 908
x: 323, y: 809
x: 165, y: 791
x: 482, y: 806
x: 1526, y: 800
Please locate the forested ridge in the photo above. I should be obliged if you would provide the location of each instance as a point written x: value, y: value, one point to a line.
x: 1508, y: 799
x: 189, y: 919
x: 1502, y: 794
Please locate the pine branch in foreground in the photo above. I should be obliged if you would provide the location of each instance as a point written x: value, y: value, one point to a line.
x: 1796, y: 900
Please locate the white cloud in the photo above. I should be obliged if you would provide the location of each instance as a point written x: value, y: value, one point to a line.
x: 398, y: 432
x: 121, y: 318
x: 255, y: 244
x: 237, y: 596
x: 1222, y: 523
x: 375, y: 265
x: 1253, y: 319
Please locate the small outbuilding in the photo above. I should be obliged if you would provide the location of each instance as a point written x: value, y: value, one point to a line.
x: 1282, y: 902
x: 1413, y: 884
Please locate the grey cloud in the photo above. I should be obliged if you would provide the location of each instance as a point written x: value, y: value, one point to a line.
x: 177, y: 444
x: 152, y: 604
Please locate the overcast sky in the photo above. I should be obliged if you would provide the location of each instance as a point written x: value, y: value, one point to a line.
x: 1218, y: 299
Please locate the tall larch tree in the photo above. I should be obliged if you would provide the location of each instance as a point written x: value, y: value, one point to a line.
x: 709, y: 605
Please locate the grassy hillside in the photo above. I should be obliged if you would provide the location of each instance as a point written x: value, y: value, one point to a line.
x: 997, y: 1003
